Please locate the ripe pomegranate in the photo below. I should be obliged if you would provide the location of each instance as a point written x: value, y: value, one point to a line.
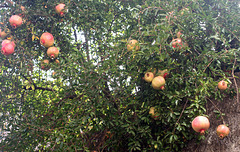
x: 148, y: 77
x: 153, y: 114
x: 177, y: 43
x: 133, y: 45
x: 45, y: 65
x: 15, y: 21
x: 7, y: 49
x: 3, y: 34
x: 60, y: 9
x: 52, y: 52
x: 222, y: 85
x: 222, y: 131
x: 200, y: 124
x: 47, y: 39
x: 8, y: 41
x: 158, y: 82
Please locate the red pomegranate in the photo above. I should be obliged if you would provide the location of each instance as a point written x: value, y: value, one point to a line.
x: 148, y: 77
x: 200, y: 124
x: 3, y: 34
x: 177, y: 43
x: 158, y: 82
x: 47, y: 39
x: 60, y: 9
x: 7, y: 49
x: 222, y: 131
x: 8, y: 41
x: 52, y: 52
x: 15, y: 21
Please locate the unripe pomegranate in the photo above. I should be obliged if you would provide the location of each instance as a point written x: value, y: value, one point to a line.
x: 222, y: 85
x: 148, y: 77
x: 7, y: 49
x: 222, y: 131
x: 47, y: 39
x: 60, y: 9
x: 57, y: 61
x: 133, y: 45
x: 3, y: 34
x: 15, y: 21
x: 200, y: 124
x: 45, y: 65
x: 177, y: 43
x: 158, y: 82
x: 52, y: 52
x: 153, y: 114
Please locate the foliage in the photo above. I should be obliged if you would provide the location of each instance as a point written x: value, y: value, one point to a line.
x: 97, y: 100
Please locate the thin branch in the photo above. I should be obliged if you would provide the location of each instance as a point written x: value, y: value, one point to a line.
x: 234, y: 79
x: 180, y: 116
x: 216, y: 108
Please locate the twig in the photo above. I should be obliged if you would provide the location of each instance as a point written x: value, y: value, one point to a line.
x: 180, y: 115
x: 234, y: 79
x: 216, y: 108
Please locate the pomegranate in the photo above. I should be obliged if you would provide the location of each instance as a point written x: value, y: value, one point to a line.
x: 177, y: 43
x: 158, y: 82
x: 60, y: 9
x: 148, y: 77
x: 57, y: 61
x: 222, y: 85
x: 7, y: 49
x: 15, y: 21
x: 222, y: 131
x: 47, y: 39
x: 45, y: 65
x: 165, y: 75
x: 133, y: 45
x: 153, y: 114
x: 8, y: 41
x: 3, y: 34
x: 200, y: 124
x: 179, y: 34
x: 52, y: 52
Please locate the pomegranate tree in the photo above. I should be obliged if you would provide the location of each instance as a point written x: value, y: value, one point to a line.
x: 60, y: 9
x: 222, y: 131
x: 133, y: 45
x: 200, y: 124
x: 158, y: 82
x: 148, y: 77
x: 222, y: 85
x: 47, y: 39
x: 52, y: 52
x: 15, y: 21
